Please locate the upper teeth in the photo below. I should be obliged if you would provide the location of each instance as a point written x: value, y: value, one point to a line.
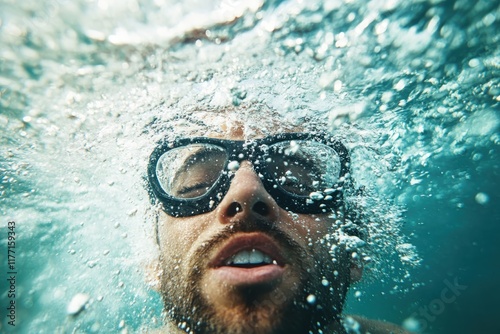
x: 250, y: 257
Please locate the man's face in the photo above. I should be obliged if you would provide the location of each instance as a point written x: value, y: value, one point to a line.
x: 249, y: 266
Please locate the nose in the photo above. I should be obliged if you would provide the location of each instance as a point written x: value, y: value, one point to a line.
x: 247, y: 199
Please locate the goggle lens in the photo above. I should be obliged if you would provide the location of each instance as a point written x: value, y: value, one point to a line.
x: 190, y: 171
x: 303, y: 167
x: 299, y: 167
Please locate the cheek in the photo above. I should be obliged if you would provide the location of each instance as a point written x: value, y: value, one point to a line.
x: 312, y: 228
x: 178, y: 234
x: 176, y: 238
x: 180, y: 237
x: 316, y: 234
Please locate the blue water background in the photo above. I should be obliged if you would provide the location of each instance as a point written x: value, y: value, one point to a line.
x: 417, y: 81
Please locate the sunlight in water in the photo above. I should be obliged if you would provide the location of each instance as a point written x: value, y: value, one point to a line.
x: 87, y: 88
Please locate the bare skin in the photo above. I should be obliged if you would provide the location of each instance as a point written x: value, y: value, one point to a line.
x: 303, y: 289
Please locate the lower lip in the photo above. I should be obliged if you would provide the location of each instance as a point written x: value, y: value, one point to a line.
x: 263, y: 275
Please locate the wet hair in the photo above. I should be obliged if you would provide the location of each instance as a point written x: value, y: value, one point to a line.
x: 195, y: 121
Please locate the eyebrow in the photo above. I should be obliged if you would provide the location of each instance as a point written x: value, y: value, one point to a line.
x: 200, y: 154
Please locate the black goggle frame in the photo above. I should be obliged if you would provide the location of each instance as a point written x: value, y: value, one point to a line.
x: 252, y: 151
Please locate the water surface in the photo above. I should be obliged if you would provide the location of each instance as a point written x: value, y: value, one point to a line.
x: 412, y: 86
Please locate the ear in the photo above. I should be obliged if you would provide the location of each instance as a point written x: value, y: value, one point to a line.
x: 356, y: 270
x: 153, y: 273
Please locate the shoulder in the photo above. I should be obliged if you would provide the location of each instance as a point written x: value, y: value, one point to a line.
x: 372, y: 326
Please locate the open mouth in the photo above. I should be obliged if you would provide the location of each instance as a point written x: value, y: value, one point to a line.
x: 249, y: 259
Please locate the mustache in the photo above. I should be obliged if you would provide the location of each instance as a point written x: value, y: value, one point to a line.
x: 194, y: 309
x: 283, y: 239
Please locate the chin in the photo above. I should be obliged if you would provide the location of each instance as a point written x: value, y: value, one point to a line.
x: 209, y: 299
x: 243, y: 320
x: 281, y: 309
x: 253, y: 309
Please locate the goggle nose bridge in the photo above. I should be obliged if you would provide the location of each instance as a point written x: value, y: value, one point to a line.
x: 247, y: 151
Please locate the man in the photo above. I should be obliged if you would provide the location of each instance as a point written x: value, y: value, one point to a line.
x: 252, y: 230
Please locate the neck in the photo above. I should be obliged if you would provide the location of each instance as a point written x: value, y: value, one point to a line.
x: 171, y: 328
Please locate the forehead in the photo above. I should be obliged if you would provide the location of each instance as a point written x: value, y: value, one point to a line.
x: 241, y: 130
x: 232, y: 124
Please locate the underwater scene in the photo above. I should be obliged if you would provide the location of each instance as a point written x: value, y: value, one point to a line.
x: 89, y: 87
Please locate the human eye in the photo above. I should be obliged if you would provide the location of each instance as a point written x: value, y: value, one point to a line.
x: 297, y: 182
x: 193, y: 190
x: 303, y: 167
x: 190, y: 171
x: 195, y: 181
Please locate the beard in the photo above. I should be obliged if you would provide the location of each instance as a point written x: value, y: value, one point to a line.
x: 309, y: 305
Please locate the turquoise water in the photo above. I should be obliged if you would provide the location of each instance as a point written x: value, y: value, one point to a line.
x: 412, y: 86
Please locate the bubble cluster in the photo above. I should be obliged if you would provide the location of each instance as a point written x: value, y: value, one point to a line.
x: 88, y: 87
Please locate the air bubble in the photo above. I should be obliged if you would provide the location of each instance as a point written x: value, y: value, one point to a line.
x: 91, y: 264
x: 77, y: 303
x: 482, y: 198
x: 316, y: 196
x: 400, y: 85
x: 351, y: 325
x: 411, y: 324
x: 233, y: 166
x: 474, y: 62
x: 337, y: 86
x: 408, y: 253
x: 311, y: 299
x: 489, y: 19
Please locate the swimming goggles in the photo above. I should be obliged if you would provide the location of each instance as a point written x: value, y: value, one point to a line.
x: 304, y: 173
